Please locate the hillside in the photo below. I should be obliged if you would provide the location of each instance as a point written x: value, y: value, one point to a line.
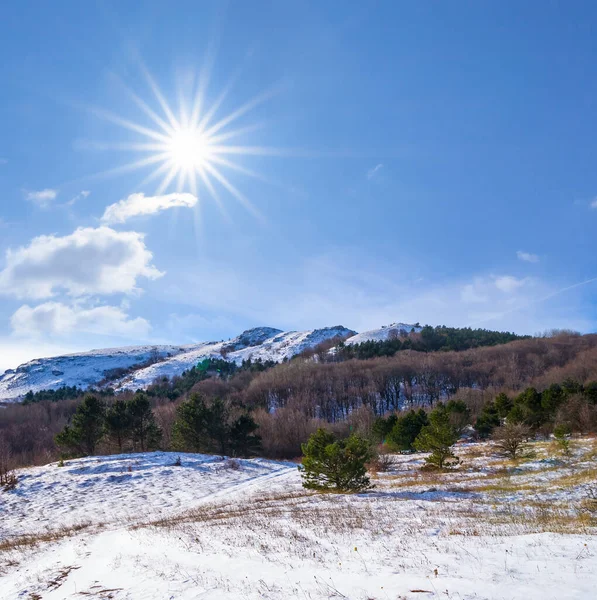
x: 136, y: 526
x: 136, y: 367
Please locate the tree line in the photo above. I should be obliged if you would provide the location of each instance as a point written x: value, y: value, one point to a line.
x: 130, y: 426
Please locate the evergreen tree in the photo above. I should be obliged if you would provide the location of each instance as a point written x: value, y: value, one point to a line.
x: 382, y: 427
x: 406, y: 430
x: 145, y: 433
x: 503, y: 405
x: 488, y: 420
x: 244, y: 441
x: 527, y: 409
x: 190, y: 431
x: 438, y: 438
x: 118, y: 423
x: 86, y: 429
x: 335, y: 465
x: 590, y: 392
x: 217, y: 426
x: 459, y: 414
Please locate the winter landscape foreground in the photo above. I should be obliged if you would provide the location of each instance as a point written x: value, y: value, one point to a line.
x: 140, y: 527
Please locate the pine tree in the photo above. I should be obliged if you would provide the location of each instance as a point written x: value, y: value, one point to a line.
x: 488, y: 420
x: 87, y: 428
x: 438, y: 438
x: 382, y: 427
x: 118, y: 423
x: 244, y: 441
x: 191, y: 427
x: 335, y: 465
x: 217, y: 426
x: 406, y: 430
x: 145, y: 433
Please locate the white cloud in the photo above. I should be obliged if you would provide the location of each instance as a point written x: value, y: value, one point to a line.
x: 88, y: 261
x: 42, y: 198
x: 57, y: 319
x: 374, y: 171
x: 139, y: 204
x: 80, y: 196
x: 593, y: 204
x: 508, y: 283
x: 363, y: 292
x: 527, y: 257
x: 473, y: 293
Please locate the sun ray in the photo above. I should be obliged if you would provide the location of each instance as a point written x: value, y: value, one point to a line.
x: 234, y: 191
x: 133, y: 166
x: 160, y: 98
x: 129, y: 124
x: 154, y: 174
x: 246, y: 107
x: 218, y: 139
x: 214, y: 193
x: 187, y: 150
x: 167, y: 180
x: 238, y: 168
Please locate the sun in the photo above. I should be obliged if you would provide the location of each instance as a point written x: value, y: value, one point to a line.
x: 189, y: 148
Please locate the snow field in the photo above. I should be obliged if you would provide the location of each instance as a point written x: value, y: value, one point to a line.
x: 492, y: 529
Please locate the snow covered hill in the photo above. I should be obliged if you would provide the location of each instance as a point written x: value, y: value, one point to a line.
x: 136, y: 367
x: 384, y: 332
x: 138, y: 526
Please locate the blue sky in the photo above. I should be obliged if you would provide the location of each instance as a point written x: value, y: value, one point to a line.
x: 429, y: 162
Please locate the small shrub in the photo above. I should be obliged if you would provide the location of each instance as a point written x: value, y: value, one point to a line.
x: 8, y: 481
x: 561, y: 435
x: 233, y: 464
x: 382, y: 463
x: 511, y: 439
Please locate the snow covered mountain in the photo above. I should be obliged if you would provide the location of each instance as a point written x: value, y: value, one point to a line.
x: 137, y: 366
x: 384, y: 332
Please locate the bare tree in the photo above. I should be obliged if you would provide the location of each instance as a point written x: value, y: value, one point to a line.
x: 511, y: 439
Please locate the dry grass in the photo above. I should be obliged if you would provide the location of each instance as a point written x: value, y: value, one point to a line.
x: 21, y: 542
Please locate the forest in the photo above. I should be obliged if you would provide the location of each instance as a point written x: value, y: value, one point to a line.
x: 541, y: 381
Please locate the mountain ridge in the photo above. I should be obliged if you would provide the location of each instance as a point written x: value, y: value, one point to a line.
x: 134, y: 367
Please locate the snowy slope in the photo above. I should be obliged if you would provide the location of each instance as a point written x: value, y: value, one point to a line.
x: 383, y: 333
x: 90, y: 368
x: 134, y: 527
x: 84, y: 370
x: 256, y: 344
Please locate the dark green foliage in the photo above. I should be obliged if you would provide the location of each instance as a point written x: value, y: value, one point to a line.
x: 203, y: 428
x: 438, y: 438
x: 488, y: 420
x: 145, y: 433
x: 210, y: 367
x: 459, y: 415
x: 430, y: 339
x: 332, y: 465
x: 244, y: 442
x: 503, y: 405
x: 551, y: 399
x: 406, y: 429
x: 528, y: 405
x: 217, y: 426
x: 86, y: 429
x: 62, y: 393
x: 382, y: 427
x: 590, y: 392
x: 118, y: 423
x: 191, y: 427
